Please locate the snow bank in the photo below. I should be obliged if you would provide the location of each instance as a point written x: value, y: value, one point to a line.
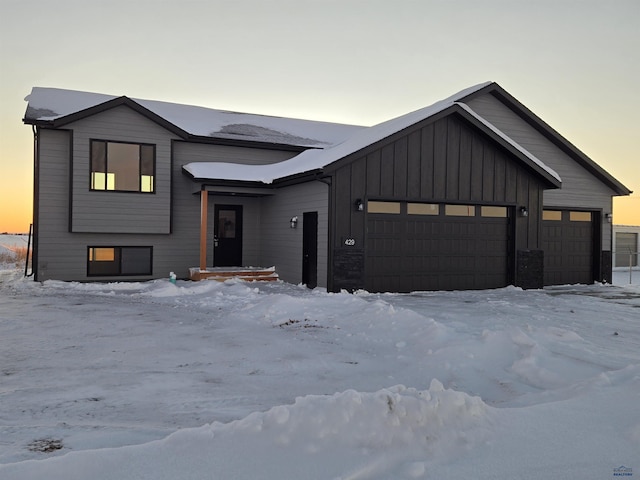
x: 345, y: 435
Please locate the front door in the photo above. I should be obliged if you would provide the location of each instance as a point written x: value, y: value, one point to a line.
x: 310, y: 249
x: 227, y: 239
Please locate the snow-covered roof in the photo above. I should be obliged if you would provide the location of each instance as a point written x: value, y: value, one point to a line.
x: 310, y: 160
x: 326, y: 142
x: 54, y: 104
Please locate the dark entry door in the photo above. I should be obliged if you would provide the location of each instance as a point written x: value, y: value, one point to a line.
x: 227, y: 240
x: 310, y: 249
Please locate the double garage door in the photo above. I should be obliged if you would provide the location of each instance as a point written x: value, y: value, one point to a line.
x: 420, y: 246
x: 568, y: 242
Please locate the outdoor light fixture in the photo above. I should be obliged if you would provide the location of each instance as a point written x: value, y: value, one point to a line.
x: 359, y: 205
x: 609, y: 217
x: 293, y: 223
x: 524, y: 212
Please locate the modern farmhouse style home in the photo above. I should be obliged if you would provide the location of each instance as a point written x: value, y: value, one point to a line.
x: 472, y: 192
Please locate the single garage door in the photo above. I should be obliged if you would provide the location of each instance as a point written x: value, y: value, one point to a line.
x: 568, y: 244
x: 419, y: 246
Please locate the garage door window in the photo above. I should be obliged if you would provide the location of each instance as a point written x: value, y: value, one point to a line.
x: 580, y: 216
x: 423, y: 209
x: 553, y: 215
x: 494, y: 212
x: 460, y: 210
x: 383, y: 207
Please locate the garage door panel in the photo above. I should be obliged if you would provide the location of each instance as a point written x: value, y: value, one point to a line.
x: 437, y: 252
x: 568, y: 247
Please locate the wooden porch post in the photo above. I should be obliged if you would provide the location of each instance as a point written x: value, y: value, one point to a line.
x: 203, y: 229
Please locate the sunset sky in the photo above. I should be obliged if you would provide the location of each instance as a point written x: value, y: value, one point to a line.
x: 575, y: 63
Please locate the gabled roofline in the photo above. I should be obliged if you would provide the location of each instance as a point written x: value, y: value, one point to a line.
x: 154, y: 117
x: 456, y: 108
x: 551, y: 134
x: 108, y: 105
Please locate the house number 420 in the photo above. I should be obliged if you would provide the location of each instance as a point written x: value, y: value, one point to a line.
x: 350, y: 242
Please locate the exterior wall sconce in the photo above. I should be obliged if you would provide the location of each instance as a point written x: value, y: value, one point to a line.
x: 359, y: 205
x: 293, y: 223
x: 524, y: 212
x: 609, y: 217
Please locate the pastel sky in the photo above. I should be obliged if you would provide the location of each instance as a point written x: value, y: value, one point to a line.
x: 575, y: 63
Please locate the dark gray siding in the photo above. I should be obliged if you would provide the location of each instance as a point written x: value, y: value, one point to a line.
x: 120, y: 212
x: 446, y: 160
x: 282, y: 245
x: 62, y: 255
x: 580, y: 189
x: 54, y: 254
x: 202, y: 152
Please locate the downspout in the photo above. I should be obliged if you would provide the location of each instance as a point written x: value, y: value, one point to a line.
x: 35, y: 209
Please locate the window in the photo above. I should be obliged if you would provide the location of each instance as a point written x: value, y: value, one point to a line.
x: 460, y: 210
x: 579, y: 216
x: 423, y: 209
x: 383, y: 207
x: 554, y: 215
x: 119, y: 261
x: 493, y: 212
x: 124, y: 167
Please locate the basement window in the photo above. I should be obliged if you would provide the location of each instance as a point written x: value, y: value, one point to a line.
x: 119, y: 261
x: 122, y: 167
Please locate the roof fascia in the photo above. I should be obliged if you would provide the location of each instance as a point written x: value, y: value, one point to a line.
x: 551, y: 134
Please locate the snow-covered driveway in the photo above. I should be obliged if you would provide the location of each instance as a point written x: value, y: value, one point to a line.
x: 518, y: 373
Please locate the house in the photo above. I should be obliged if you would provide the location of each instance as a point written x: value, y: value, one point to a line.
x: 472, y: 192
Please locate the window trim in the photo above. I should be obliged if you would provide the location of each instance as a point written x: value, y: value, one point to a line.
x: 118, y: 258
x: 106, y: 143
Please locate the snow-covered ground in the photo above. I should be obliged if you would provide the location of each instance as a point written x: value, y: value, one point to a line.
x: 274, y: 381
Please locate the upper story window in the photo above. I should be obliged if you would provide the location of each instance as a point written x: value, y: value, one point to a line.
x: 123, y: 167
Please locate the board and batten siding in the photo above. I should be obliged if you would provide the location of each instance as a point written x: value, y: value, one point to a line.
x: 186, y: 152
x: 280, y: 244
x: 580, y: 189
x: 446, y: 160
x: 120, y: 212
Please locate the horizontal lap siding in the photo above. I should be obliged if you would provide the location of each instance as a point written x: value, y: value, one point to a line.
x: 62, y: 255
x: 580, y: 189
x: 281, y: 245
x: 120, y: 212
x: 53, y: 248
x: 201, y: 152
